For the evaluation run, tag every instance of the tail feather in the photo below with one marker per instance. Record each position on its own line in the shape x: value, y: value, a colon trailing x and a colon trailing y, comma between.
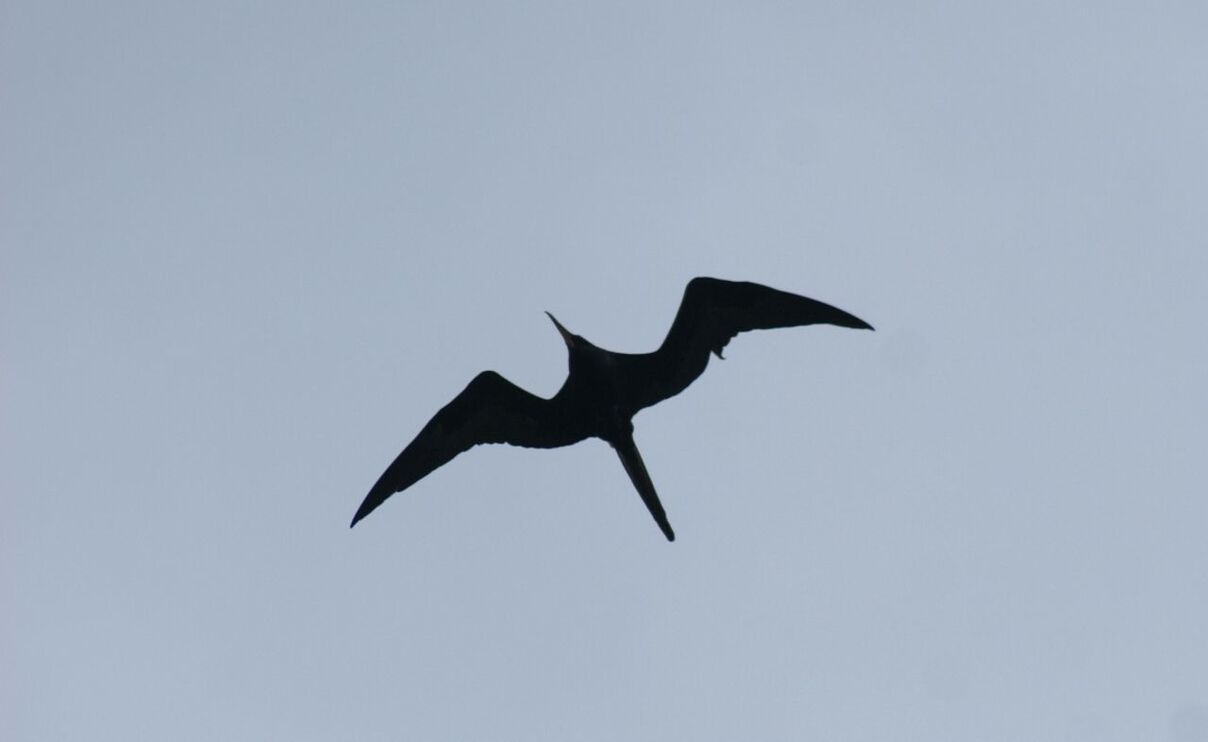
x: 636, y: 469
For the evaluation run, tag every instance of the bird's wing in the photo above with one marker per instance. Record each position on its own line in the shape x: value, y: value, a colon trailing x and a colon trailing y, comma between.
x: 490, y: 409
x: 712, y: 312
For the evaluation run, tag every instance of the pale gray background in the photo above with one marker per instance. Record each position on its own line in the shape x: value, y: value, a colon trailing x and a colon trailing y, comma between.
x: 248, y: 252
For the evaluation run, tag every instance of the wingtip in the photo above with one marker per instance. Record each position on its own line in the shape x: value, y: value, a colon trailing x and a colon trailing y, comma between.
x: 367, y: 506
x: 855, y: 322
x: 841, y: 318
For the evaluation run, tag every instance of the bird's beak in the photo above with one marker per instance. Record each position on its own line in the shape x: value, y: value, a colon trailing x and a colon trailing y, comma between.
x: 566, y: 336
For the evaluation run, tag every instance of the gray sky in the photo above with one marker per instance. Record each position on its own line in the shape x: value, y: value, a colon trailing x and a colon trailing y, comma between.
x: 247, y: 252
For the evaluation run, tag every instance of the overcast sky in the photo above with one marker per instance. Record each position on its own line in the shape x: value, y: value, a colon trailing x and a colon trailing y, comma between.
x: 247, y: 252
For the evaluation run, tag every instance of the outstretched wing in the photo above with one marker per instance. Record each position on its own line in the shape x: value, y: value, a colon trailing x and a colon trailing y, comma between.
x: 490, y: 409
x: 712, y: 312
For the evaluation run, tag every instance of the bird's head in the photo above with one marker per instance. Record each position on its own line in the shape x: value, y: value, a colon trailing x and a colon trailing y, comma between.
x: 568, y: 337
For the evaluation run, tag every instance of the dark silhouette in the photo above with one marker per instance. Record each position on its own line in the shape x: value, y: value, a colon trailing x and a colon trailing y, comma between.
x: 603, y: 390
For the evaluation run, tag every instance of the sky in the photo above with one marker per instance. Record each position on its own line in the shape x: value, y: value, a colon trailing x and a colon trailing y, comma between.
x: 247, y: 250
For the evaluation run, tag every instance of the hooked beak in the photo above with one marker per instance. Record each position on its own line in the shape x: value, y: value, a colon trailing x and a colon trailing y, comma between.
x: 566, y: 336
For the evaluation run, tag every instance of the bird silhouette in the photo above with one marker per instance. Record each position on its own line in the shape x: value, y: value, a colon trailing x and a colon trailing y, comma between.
x: 603, y: 390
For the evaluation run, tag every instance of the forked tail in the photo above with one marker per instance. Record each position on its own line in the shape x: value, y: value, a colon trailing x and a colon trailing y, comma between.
x: 636, y: 470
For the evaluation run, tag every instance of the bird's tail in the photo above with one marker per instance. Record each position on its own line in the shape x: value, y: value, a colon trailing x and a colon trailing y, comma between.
x: 636, y: 469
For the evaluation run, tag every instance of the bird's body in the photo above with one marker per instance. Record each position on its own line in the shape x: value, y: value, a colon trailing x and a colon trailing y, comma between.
x: 603, y: 389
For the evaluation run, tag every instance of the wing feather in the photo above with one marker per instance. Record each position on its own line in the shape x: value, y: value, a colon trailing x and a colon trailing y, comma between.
x: 490, y: 409
x: 711, y: 313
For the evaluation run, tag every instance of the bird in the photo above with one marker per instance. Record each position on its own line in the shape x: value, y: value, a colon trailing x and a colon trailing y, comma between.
x: 603, y: 389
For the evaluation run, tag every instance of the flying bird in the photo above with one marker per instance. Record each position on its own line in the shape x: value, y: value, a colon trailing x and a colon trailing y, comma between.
x: 603, y: 389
